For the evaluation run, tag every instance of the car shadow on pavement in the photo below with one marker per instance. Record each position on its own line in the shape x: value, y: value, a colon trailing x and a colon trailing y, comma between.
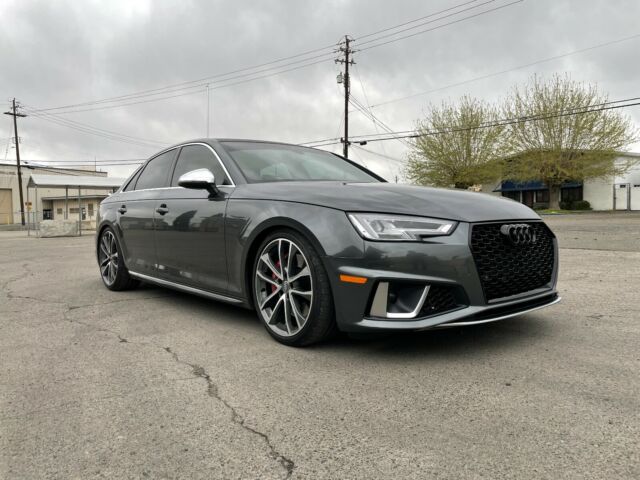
x: 503, y: 335
x: 497, y: 336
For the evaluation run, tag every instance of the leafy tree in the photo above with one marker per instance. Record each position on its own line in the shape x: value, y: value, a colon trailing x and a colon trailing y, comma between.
x: 456, y: 147
x: 554, y: 146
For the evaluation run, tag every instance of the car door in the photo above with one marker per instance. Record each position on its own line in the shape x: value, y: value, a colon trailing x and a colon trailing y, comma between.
x: 136, y: 210
x: 189, y: 225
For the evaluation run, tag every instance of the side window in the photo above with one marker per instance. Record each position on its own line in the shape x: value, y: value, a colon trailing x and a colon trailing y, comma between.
x: 156, y: 172
x: 193, y: 157
x: 132, y: 183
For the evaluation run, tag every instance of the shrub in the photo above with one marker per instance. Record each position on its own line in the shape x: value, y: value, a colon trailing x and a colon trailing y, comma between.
x: 565, y: 205
x: 580, y: 205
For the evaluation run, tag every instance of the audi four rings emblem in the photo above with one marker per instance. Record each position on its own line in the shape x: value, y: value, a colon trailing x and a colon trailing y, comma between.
x: 519, y: 233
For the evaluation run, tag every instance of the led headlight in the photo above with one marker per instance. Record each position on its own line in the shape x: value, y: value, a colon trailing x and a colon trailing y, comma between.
x: 380, y: 226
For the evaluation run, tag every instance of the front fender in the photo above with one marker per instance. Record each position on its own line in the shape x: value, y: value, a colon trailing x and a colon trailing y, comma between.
x: 249, y: 221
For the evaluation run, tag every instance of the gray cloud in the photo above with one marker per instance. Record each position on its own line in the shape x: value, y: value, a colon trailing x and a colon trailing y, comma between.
x: 64, y: 52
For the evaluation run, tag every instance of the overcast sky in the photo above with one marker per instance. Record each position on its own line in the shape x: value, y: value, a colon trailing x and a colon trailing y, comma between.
x: 68, y: 52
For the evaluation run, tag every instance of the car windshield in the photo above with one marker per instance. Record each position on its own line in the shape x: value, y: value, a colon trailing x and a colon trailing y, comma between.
x: 269, y: 162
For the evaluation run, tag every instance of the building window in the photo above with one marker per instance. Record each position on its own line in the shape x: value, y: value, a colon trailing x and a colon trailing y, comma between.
x: 58, y: 211
x: 542, y: 196
x: 512, y: 195
x: 571, y: 194
x: 73, y: 210
x: 91, y: 209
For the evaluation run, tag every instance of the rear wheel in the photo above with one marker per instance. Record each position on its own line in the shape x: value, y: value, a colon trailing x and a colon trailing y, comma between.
x: 292, y: 294
x: 113, y: 272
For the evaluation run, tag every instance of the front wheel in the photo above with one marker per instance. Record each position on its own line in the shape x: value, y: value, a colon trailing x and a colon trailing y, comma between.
x: 292, y: 294
x: 114, y: 273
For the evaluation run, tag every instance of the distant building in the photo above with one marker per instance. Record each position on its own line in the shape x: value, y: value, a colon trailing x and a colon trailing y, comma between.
x: 51, y: 201
x: 619, y: 193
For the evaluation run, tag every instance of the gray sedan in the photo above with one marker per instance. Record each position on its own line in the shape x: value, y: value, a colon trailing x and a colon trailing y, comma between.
x: 316, y: 243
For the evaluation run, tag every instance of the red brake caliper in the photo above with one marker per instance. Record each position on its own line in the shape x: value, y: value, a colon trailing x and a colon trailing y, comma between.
x: 274, y: 276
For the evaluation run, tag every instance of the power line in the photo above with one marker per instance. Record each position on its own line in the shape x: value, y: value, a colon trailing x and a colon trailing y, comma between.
x: 161, y: 92
x: 202, y: 89
x: 441, y: 26
x: 201, y: 81
x: 415, y: 20
x: 100, y: 130
x: 501, y: 72
x: 611, y: 105
x: 392, y: 34
x: 380, y: 154
x: 85, y: 129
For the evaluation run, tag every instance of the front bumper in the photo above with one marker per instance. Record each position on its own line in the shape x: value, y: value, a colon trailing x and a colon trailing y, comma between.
x: 443, y: 261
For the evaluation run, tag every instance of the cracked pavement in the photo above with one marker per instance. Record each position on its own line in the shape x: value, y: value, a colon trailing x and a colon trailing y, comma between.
x: 156, y: 384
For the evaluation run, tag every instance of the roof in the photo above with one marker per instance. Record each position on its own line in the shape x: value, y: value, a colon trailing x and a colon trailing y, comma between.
x: 28, y: 165
x: 75, y: 197
x: 511, y: 186
x: 74, y: 181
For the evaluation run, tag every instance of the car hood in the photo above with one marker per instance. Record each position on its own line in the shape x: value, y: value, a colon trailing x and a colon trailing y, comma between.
x: 460, y: 205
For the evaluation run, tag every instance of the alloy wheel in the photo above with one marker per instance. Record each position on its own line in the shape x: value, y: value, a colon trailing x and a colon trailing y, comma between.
x: 108, y: 257
x: 284, y: 287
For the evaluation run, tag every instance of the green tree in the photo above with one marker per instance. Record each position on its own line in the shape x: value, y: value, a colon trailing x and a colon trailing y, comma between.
x: 456, y: 148
x: 554, y: 146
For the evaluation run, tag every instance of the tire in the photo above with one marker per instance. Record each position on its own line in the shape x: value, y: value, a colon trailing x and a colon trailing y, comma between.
x: 298, y: 291
x: 113, y: 271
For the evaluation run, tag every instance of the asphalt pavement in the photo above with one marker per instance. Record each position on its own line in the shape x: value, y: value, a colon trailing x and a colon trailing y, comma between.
x: 156, y: 384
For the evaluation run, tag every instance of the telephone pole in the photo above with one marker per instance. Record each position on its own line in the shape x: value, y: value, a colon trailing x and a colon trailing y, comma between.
x: 15, y: 114
x: 345, y: 79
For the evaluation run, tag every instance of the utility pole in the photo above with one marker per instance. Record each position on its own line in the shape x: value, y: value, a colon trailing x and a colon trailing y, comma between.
x: 346, y: 81
x: 15, y: 114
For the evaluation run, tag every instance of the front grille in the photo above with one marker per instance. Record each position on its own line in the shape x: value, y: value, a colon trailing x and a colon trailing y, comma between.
x: 442, y: 298
x: 506, y: 269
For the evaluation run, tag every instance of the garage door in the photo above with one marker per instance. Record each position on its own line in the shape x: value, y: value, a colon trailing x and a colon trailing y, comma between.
x: 635, y: 197
x: 621, y: 196
x: 6, y: 206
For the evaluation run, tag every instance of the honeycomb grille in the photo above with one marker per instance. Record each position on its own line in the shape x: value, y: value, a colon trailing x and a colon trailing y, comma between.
x: 440, y: 299
x: 506, y: 269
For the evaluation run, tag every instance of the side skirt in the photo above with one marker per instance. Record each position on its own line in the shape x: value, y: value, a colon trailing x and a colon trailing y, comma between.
x: 184, y: 288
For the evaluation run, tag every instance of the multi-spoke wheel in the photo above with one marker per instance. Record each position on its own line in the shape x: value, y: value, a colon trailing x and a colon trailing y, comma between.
x: 108, y: 257
x: 291, y: 290
x: 112, y: 270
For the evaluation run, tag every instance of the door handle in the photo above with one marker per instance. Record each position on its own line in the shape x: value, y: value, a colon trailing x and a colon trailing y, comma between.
x: 162, y: 209
x: 123, y: 209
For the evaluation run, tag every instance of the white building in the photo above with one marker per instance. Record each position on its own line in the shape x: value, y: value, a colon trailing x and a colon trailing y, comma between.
x: 612, y: 193
x: 51, y: 203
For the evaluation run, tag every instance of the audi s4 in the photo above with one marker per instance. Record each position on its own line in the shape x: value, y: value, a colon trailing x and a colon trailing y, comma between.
x: 316, y: 243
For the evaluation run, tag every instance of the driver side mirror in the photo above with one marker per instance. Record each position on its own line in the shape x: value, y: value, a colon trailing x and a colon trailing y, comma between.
x: 200, y: 179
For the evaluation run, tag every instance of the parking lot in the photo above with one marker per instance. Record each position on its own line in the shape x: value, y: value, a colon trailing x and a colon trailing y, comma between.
x: 156, y: 384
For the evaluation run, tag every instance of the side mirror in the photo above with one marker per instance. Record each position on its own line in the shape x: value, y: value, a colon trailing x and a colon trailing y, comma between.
x: 200, y: 179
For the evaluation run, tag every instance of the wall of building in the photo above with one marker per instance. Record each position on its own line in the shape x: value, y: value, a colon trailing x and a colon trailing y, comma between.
x: 599, y: 193
x: 90, y: 206
x: 9, y: 181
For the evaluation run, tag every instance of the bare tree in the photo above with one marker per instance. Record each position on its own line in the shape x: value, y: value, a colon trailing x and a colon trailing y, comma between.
x: 458, y: 145
x: 567, y: 134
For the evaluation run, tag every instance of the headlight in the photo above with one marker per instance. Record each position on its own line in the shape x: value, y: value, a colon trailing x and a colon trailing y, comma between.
x: 379, y: 226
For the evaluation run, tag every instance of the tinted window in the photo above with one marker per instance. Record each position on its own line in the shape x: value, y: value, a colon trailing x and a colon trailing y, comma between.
x: 156, y: 172
x: 132, y: 183
x: 272, y: 162
x: 193, y: 157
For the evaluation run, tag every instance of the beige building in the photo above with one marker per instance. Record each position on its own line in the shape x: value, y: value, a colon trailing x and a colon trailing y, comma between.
x: 50, y: 203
